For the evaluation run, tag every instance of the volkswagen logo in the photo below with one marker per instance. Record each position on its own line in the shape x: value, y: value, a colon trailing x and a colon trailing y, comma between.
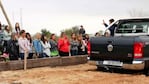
x: 110, y: 48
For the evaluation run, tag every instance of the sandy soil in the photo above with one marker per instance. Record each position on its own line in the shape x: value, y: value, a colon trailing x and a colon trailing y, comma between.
x: 78, y: 74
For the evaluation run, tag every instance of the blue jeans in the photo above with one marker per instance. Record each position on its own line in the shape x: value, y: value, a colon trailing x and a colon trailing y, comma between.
x: 42, y: 55
x: 74, y: 52
x: 45, y: 55
x: 21, y: 55
x: 30, y: 56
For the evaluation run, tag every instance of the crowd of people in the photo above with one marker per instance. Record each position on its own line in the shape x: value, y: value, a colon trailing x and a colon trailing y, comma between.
x: 16, y: 43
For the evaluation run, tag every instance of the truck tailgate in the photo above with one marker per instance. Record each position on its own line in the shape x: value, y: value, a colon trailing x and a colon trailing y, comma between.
x: 112, y: 48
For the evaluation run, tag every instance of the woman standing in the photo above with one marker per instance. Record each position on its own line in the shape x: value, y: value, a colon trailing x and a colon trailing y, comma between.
x: 0, y: 27
x: 74, y: 45
x: 54, y: 46
x: 86, y: 43
x: 1, y: 39
x: 38, y: 46
x: 7, y: 37
x: 81, y: 47
x: 30, y: 46
x: 13, y: 47
x: 23, y: 44
x: 17, y: 29
x: 46, y: 46
x: 63, y: 45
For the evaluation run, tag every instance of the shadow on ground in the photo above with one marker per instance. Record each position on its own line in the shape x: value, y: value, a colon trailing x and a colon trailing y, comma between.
x: 118, y: 71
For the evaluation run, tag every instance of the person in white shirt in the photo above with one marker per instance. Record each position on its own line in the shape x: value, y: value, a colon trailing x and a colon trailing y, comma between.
x: 30, y: 45
x: 46, y: 46
x: 23, y: 44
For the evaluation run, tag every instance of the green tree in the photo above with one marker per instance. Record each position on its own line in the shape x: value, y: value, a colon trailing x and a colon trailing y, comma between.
x: 46, y: 32
x: 138, y: 13
x: 69, y: 31
x: 75, y: 29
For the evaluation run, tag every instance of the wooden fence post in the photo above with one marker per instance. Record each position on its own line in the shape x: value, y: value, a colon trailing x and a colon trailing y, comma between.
x: 25, y: 60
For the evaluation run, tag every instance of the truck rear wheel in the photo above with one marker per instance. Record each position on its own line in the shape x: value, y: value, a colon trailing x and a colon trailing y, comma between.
x: 146, y: 68
x: 100, y: 68
x: 146, y: 72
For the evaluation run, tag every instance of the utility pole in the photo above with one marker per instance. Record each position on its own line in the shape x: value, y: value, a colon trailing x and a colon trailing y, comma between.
x: 5, y: 14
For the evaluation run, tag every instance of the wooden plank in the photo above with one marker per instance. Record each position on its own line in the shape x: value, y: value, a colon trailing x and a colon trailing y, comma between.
x: 43, y: 62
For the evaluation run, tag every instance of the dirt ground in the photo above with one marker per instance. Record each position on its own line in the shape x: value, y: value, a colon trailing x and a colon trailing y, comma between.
x: 77, y: 74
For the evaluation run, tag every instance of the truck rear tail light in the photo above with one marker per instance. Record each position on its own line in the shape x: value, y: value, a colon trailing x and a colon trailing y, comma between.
x: 89, y: 48
x: 138, y: 50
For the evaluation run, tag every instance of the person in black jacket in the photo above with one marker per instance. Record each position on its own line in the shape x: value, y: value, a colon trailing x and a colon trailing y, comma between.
x: 13, y: 47
x: 82, y: 31
x: 0, y: 27
x: 112, y: 28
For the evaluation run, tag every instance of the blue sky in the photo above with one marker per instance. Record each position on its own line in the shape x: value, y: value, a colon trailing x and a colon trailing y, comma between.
x: 56, y: 15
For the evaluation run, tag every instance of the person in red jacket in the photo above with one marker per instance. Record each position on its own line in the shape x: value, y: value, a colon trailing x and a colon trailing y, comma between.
x: 63, y: 45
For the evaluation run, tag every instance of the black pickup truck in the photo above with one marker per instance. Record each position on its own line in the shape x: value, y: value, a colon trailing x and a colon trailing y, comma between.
x: 127, y: 49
